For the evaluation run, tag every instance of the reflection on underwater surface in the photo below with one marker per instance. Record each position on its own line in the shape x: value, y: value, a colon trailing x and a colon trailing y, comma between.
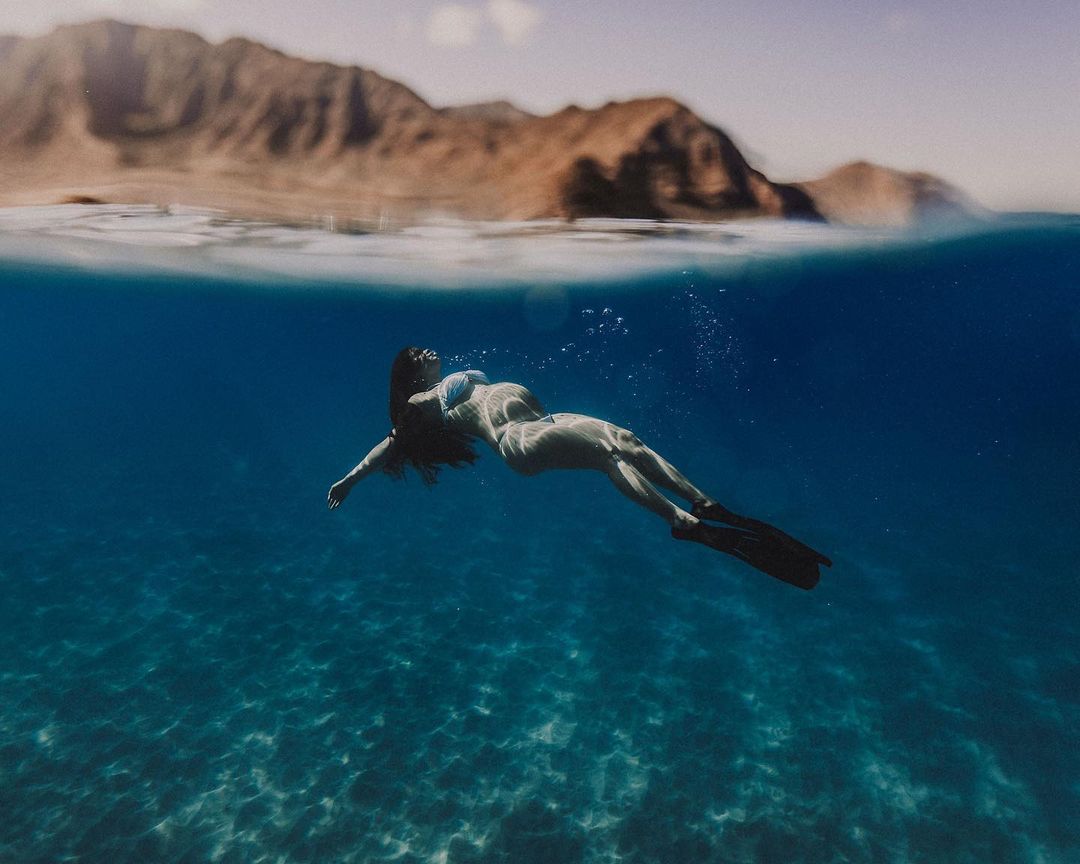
x: 197, y: 661
x: 449, y: 253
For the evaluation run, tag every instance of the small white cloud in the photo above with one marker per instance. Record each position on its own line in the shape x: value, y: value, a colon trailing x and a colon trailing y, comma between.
x: 454, y: 25
x: 515, y: 19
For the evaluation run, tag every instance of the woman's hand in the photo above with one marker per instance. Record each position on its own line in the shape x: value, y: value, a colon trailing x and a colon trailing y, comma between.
x: 337, y: 493
x: 375, y: 459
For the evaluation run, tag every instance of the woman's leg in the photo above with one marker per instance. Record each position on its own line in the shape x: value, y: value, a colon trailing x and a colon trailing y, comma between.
x: 633, y: 485
x: 657, y: 469
x: 578, y: 441
x: 650, y: 464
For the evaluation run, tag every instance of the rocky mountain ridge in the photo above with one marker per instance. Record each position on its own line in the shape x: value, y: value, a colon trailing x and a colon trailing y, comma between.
x: 120, y: 112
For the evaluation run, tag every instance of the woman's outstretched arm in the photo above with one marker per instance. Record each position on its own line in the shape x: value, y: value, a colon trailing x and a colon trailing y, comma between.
x: 372, y: 462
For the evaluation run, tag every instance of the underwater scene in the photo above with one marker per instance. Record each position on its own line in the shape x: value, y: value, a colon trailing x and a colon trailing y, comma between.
x: 200, y: 662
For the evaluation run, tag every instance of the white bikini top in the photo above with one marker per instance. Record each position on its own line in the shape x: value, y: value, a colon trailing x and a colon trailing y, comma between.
x: 454, y: 387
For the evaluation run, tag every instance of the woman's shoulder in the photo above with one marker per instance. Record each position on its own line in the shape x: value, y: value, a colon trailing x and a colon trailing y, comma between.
x: 426, y: 402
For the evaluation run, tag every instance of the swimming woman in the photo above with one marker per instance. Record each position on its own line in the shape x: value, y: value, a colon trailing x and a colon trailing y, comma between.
x: 436, y: 419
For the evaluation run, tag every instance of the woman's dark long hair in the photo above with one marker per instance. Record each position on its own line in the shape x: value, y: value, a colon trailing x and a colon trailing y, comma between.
x: 419, y: 443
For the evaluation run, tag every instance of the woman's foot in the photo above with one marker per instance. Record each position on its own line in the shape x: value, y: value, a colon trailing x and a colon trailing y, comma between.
x: 710, y: 510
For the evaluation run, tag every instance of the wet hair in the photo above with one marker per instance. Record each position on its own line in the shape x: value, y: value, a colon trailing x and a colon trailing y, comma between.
x: 418, y: 442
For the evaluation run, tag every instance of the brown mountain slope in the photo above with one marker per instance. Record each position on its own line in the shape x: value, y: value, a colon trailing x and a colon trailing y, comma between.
x: 136, y: 113
x: 144, y: 92
x: 130, y: 113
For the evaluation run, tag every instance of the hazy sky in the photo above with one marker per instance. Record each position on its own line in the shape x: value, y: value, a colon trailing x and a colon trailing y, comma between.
x: 985, y: 93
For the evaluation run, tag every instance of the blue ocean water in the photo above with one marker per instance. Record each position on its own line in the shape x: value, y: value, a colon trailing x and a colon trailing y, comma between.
x: 198, y: 662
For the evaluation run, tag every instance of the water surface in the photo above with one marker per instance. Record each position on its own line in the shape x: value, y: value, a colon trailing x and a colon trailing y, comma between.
x: 199, y: 662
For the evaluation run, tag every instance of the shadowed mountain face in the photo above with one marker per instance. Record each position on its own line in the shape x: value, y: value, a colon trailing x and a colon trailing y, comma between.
x: 143, y: 114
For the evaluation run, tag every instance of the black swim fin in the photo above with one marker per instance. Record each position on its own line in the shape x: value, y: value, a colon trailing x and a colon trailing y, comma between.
x: 719, y: 513
x: 762, y: 551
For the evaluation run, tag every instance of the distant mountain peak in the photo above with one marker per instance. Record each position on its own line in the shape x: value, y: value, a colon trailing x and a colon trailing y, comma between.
x: 864, y: 193
x: 498, y: 111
